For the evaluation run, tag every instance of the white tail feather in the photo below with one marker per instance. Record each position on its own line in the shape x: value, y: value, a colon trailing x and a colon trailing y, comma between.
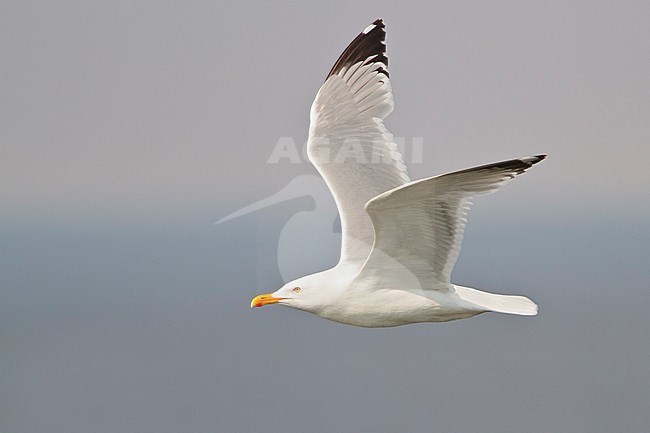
x: 500, y: 303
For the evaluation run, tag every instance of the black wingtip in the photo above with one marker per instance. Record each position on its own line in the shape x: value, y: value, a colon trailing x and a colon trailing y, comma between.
x: 517, y: 166
x: 532, y: 160
x: 369, y: 45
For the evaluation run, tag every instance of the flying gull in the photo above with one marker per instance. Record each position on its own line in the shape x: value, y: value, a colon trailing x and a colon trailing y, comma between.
x: 400, y: 238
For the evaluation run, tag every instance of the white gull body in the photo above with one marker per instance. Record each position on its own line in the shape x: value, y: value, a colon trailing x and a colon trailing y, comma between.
x: 400, y: 238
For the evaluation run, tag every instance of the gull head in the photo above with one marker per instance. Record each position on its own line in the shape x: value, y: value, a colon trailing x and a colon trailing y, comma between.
x: 303, y: 294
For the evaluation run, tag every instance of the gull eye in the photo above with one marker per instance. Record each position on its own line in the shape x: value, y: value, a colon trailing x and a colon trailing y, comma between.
x: 296, y: 290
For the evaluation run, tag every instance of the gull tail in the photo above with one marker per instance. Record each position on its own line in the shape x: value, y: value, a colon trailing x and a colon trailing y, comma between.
x: 508, y: 304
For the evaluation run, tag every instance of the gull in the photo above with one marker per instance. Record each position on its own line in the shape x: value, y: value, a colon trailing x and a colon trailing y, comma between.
x: 400, y: 238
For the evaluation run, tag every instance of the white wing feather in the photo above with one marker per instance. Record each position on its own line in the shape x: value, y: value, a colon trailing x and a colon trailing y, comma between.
x: 348, y: 142
x: 419, y: 226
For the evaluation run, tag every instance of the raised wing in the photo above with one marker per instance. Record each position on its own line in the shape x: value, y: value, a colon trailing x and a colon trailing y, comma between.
x: 348, y: 142
x: 419, y: 226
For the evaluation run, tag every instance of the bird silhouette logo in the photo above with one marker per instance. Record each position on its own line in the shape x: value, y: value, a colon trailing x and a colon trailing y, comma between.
x: 299, y: 228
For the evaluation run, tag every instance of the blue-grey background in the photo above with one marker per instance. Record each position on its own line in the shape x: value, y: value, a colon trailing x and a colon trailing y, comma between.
x: 128, y: 128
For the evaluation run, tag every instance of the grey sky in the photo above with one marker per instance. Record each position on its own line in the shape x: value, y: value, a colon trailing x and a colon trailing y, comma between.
x: 127, y: 129
x: 111, y: 106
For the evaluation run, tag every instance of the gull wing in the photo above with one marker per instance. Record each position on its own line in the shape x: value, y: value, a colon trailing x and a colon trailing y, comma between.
x: 419, y: 226
x: 348, y: 142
